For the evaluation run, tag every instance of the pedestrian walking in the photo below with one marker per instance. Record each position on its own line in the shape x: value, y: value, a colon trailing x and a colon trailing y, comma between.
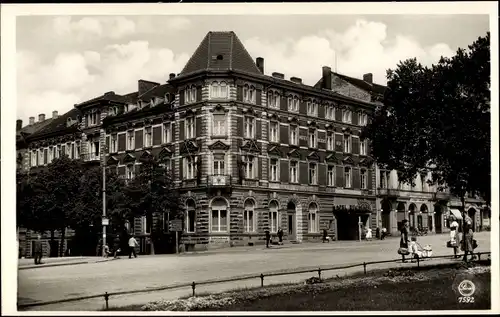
x: 454, y: 239
x: 368, y: 235
x: 38, y: 249
x: 325, y: 235
x: 280, y: 235
x: 468, y: 244
x: 403, y: 243
x: 384, y: 233
x: 377, y: 233
x: 268, y: 238
x: 116, y: 246
x: 132, y: 243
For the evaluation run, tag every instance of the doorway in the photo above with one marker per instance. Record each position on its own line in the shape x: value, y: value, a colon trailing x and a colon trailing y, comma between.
x: 438, y: 215
x: 292, y: 232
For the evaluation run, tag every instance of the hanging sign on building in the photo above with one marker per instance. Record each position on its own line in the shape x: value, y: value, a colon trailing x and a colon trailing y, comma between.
x: 175, y: 225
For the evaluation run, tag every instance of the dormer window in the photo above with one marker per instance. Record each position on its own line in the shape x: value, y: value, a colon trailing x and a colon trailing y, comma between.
x: 273, y: 99
x: 219, y: 90
x: 293, y: 103
x: 312, y: 108
x: 190, y: 94
x: 249, y: 93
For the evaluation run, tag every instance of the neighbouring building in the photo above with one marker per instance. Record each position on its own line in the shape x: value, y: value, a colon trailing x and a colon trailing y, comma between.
x: 250, y: 152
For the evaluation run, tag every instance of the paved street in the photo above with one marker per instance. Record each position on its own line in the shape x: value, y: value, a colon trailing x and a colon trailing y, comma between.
x: 52, y: 283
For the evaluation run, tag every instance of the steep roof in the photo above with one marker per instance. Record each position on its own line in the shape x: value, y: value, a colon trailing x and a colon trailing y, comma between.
x: 59, y: 124
x: 360, y: 83
x: 109, y: 96
x: 158, y: 91
x: 221, y: 51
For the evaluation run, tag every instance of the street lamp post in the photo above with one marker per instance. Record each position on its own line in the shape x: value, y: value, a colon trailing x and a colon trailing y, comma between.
x: 104, y: 219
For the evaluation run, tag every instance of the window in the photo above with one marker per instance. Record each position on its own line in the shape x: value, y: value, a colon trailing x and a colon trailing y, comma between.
x: 190, y: 128
x: 190, y: 216
x: 330, y: 142
x: 167, y: 133
x: 189, y: 168
x: 347, y: 177
x: 249, y: 167
x: 330, y: 112
x: 294, y: 170
x: 273, y: 99
x: 93, y: 118
x: 68, y: 150
x: 129, y: 172
x: 249, y: 127
x: 78, y: 149
x: 363, y: 119
x: 294, y: 135
x: 219, y: 216
x: 249, y: 94
x: 40, y: 157
x: 54, y: 151
x: 148, y: 139
x: 219, y: 126
x: 219, y: 90
x: 313, y: 140
x: 274, y: 167
x: 273, y: 131
x: 33, y: 158
x: 362, y: 147
x: 94, y: 150
x: 273, y: 216
x: 144, y: 224
x: 248, y: 216
x: 346, y: 116
x: 58, y: 151
x: 167, y: 163
x: 313, y: 174
x: 130, y: 140
x: 190, y: 94
x: 114, y: 143
x: 313, y: 218
x: 218, y: 164
x: 384, y: 179
x: 49, y: 157
x: 364, y: 179
x: 312, y: 108
x: 293, y: 103
x: 347, y: 144
x: 331, y: 175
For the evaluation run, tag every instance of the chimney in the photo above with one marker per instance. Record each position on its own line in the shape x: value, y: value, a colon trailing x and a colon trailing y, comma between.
x: 54, y: 114
x: 171, y: 76
x: 19, y: 124
x: 32, y: 120
x: 296, y: 80
x: 327, y: 78
x: 278, y: 75
x: 260, y: 64
x: 109, y: 93
x: 368, y: 78
x: 41, y: 117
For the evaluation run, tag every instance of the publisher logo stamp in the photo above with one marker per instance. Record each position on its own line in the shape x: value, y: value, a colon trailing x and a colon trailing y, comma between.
x: 466, y: 288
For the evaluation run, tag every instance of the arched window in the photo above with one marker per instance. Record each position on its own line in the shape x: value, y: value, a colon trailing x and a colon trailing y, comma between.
x: 219, y: 216
x: 273, y: 216
x: 190, y: 94
x: 313, y: 218
x: 223, y: 92
x: 219, y: 90
x: 190, y: 216
x: 249, y: 94
x: 273, y: 99
x: 293, y: 103
x: 249, y: 216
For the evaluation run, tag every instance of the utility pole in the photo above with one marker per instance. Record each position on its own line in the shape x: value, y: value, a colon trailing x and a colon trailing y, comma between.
x: 104, y: 219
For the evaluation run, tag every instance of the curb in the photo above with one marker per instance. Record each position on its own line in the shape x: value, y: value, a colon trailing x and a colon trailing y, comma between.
x: 62, y: 264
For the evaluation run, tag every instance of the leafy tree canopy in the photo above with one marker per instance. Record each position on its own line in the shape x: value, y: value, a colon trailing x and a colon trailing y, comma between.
x: 438, y: 119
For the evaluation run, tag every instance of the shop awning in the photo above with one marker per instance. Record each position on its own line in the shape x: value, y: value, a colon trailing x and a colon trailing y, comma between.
x: 456, y: 213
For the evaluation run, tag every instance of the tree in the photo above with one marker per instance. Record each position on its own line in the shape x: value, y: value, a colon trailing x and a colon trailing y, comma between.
x: 438, y: 119
x: 151, y: 192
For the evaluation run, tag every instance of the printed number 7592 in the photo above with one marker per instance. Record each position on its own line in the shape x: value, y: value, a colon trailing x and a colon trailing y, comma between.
x: 466, y: 299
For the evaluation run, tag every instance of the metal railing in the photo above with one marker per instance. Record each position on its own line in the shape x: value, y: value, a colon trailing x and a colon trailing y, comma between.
x: 106, y: 296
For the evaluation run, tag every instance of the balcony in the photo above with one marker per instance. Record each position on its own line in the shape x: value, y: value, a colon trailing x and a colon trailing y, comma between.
x: 388, y: 192
x: 219, y: 181
x: 91, y: 157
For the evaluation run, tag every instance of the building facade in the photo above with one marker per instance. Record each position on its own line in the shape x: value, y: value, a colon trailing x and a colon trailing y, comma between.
x: 250, y: 152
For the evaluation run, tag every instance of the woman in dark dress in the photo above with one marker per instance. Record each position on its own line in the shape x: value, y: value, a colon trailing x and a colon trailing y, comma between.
x: 403, y: 243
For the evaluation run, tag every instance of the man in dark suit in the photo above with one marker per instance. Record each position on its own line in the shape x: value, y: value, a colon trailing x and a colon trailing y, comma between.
x: 38, y: 250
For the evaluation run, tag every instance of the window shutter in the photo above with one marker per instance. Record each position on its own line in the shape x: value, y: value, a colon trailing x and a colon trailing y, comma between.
x: 239, y: 93
x: 258, y: 97
x: 157, y: 135
x: 302, y: 107
x: 339, y: 176
x: 355, y: 117
x: 182, y: 131
x: 139, y: 139
x: 284, y: 172
x: 338, y: 114
x: 355, y: 145
x: 258, y: 127
x: 339, y: 143
x: 322, y: 174
x: 241, y: 128
x: 284, y: 134
x: 369, y: 176
x: 321, y: 111
x: 198, y: 93
x: 303, y: 174
x: 356, y: 182
x: 107, y: 149
x: 284, y: 103
x: 198, y: 126
x: 181, y: 97
x: 122, y: 139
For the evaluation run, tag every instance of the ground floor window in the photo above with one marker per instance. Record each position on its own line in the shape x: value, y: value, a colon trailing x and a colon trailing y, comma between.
x: 219, y: 216
x: 190, y: 216
x: 313, y: 218
x: 249, y: 217
x: 273, y: 217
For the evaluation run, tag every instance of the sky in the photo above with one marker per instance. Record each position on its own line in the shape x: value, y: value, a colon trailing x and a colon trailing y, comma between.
x: 64, y: 60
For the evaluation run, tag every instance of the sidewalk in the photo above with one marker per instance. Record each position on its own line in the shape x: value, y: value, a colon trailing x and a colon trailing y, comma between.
x: 24, y: 264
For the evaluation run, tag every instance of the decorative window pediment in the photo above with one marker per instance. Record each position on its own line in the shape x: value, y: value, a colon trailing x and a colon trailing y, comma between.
x: 313, y: 156
x: 294, y: 154
x: 273, y: 116
x: 219, y: 145
x: 251, y: 146
x: 366, y: 162
x: 146, y: 156
x: 189, y: 147
x: 129, y: 158
x: 112, y: 161
x: 275, y: 151
x: 348, y: 160
x: 165, y: 153
x: 332, y: 158
x: 293, y: 119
